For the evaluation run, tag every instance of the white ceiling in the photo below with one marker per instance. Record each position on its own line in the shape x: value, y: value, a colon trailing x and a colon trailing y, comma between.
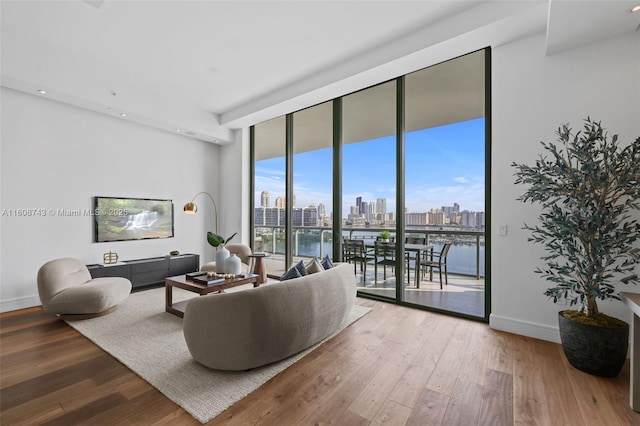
x: 207, y: 67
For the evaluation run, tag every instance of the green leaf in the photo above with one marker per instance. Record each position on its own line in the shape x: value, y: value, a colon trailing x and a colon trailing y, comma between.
x: 214, y: 239
x: 229, y: 239
x: 217, y: 240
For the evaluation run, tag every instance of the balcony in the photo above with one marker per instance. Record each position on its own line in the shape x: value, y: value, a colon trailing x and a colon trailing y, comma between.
x: 464, y: 294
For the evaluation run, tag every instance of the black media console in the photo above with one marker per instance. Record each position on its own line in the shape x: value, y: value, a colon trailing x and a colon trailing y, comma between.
x: 151, y: 272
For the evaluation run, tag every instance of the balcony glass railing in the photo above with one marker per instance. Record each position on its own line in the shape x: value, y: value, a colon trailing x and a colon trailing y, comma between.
x: 466, y: 256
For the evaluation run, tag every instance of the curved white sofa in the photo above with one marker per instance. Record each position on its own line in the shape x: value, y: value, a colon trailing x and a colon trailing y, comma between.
x: 254, y: 327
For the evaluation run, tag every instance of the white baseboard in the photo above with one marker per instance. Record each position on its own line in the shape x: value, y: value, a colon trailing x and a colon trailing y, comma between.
x: 516, y: 326
x: 19, y: 303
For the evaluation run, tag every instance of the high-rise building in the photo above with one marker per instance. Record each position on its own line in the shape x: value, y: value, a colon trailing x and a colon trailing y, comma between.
x: 264, y: 199
x: 416, y: 218
x: 359, y: 204
x: 258, y: 216
x: 281, y: 202
x: 468, y: 219
x: 452, y: 212
x: 274, y: 216
x: 354, y: 214
x: 371, y: 211
x: 269, y: 216
x: 310, y: 216
x: 381, y: 209
x: 436, y: 217
x: 365, y: 210
x: 307, y: 216
x: 297, y: 217
x: 381, y: 206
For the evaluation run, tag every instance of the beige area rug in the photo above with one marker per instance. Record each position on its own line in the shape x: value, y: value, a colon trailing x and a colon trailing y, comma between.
x: 150, y: 342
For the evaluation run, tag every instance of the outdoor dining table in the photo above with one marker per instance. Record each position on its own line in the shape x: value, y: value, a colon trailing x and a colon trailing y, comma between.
x: 418, y: 249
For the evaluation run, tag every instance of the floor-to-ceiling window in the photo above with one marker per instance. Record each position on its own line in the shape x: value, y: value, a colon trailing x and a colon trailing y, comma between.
x: 401, y: 165
x: 445, y: 183
x: 369, y: 181
x: 312, y: 182
x: 269, y: 183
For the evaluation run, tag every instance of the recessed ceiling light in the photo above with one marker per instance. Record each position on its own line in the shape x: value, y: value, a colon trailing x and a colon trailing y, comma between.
x: 178, y: 130
x: 123, y: 115
x: 635, y: 8
x: 42, y: 92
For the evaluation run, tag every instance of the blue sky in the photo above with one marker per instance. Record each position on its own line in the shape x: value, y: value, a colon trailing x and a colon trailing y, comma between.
x: 444, y: 165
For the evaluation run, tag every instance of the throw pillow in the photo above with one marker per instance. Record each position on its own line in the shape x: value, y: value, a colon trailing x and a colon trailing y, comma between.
x: 290, y: 274
x: 326, y: 263
x: 301, y: 268
x: 314, y: 266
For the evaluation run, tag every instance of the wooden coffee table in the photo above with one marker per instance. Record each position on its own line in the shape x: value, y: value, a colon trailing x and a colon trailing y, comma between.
x: 181, y: 281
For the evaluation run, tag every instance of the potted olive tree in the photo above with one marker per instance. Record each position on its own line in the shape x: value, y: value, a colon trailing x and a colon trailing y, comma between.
x: 589, y: 190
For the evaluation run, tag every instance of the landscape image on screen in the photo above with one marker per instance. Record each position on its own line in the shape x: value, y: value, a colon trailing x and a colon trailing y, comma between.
x: 121, y: 219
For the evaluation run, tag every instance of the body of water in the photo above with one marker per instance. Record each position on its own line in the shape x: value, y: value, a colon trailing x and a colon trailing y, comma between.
x: 461, y: 258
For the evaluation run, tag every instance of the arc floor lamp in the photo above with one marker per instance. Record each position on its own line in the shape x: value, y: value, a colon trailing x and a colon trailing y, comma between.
x: 192, y: 208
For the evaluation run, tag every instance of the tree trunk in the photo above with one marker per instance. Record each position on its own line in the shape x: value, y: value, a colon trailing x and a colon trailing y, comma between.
x: 591, y: 307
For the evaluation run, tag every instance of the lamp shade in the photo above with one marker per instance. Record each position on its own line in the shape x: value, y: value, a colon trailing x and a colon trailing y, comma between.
x: 190, y: 208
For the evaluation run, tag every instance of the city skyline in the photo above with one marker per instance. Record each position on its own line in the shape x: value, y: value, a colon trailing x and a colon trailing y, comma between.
x: 444, y: 165
x: 380, y: 204
x: 365, y: 214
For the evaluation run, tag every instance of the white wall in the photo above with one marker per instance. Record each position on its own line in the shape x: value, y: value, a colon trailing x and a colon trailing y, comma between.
x: 55, y: 156
x: 234, y: 187
x: 532, y: 96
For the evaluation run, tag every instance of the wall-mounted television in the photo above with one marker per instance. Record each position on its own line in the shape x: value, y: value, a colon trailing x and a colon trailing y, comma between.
x: 124, y: 219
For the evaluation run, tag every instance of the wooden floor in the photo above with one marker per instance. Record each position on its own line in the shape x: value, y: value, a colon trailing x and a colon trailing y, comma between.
x: 394, y: 366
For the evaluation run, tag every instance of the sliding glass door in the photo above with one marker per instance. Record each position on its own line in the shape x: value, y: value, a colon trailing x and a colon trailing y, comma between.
x: 445, y: 184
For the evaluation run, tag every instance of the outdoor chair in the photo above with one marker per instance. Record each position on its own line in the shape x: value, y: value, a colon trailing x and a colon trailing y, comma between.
x: 385, y: 255
x: 354, y: 251
x: 410, y: 256
x: 439, y: 261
